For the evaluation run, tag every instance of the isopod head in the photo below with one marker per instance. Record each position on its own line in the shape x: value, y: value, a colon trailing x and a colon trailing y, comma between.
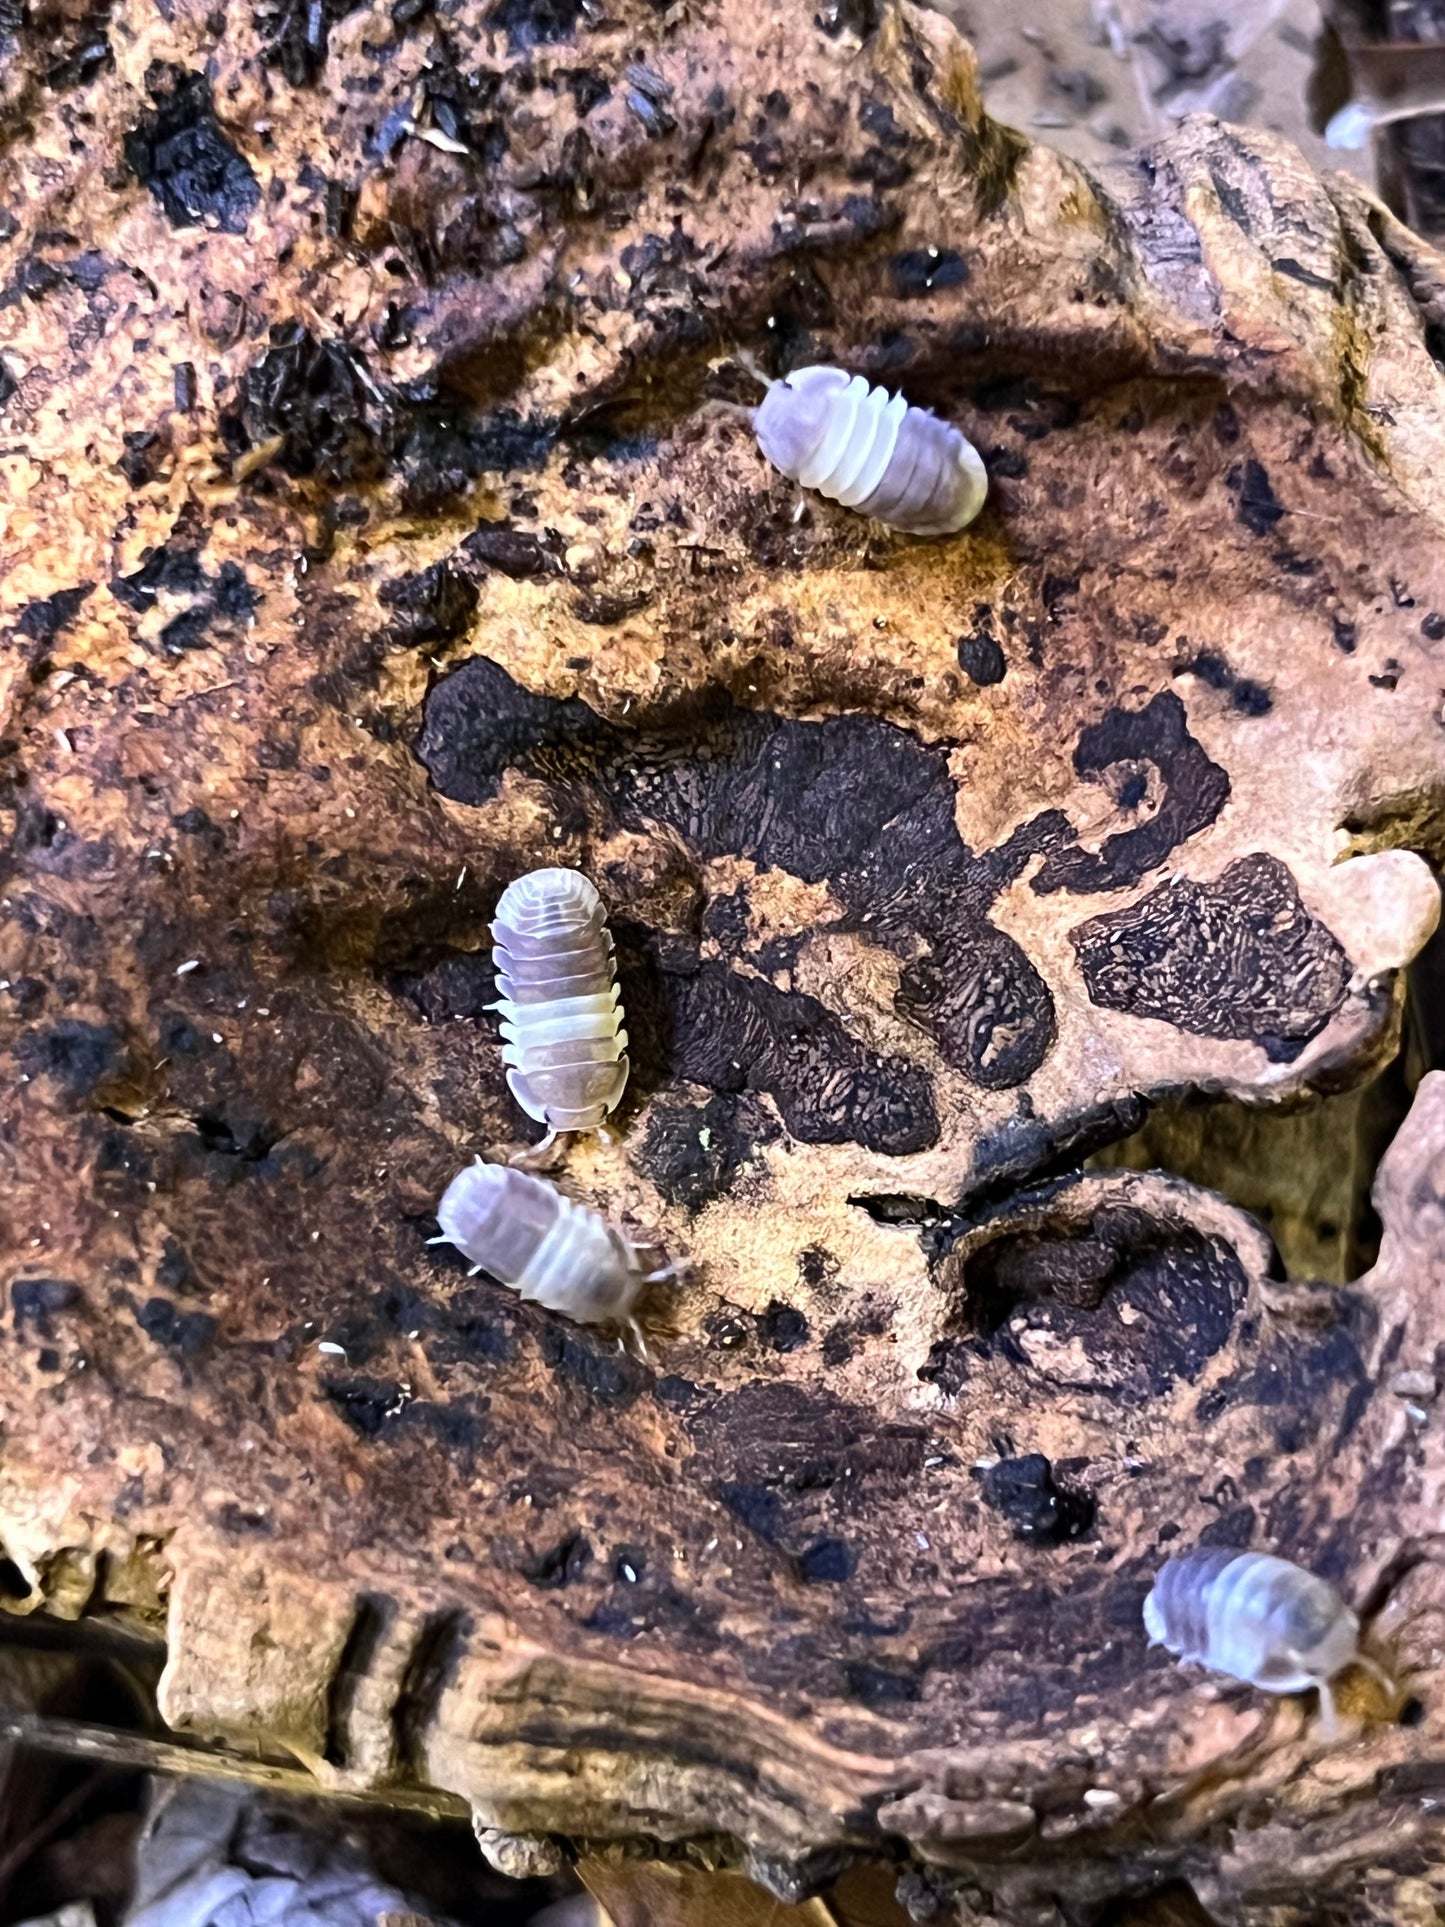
x: 794, y: 415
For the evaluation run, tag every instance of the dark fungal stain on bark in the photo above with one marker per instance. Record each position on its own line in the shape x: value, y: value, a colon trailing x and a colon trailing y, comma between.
x: 735, y: 1033
x: 337, y: 423
x: 694, y: 1151
x: 1040, y: 1511
x: 811, y: 798
x: 434, y: 605
x: 296, y: 35
x: 981, y: 660
x: 47, y: 619
x: 78, y: 1057
x: 1249, y: 697
x: 1146, y: 1301
x: 180, y: 153
x: 560, y: 1565
x: 920, y: 271
x: 1255, y: 502
x: 1238, y: 958
x: 1304, y: 1385
x: 1195, y: 791
x: 188, y: 1332
x: 512, y: 552
x: 592, y: 1363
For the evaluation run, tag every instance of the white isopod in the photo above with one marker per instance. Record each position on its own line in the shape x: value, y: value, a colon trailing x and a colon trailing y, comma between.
x: 559, y: 1254
x: 853, y: 443
x: 563, y: 1041
x: 1262, y: 1620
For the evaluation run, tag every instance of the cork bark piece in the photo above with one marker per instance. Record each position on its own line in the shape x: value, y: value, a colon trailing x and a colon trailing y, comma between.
x: 381, y: 521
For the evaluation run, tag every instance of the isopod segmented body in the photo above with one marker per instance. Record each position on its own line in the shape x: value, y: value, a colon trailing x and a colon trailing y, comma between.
x: 563, y: 1041
x: 1258, y: 1618
x: 559, y: 1254
x: 853, y: 443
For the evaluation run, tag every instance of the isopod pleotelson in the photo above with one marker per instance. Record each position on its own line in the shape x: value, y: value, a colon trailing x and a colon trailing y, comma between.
x: 559, y: 1254
x: 1262, y: 1620
x: 853, y: 443
x: 563, y: 1041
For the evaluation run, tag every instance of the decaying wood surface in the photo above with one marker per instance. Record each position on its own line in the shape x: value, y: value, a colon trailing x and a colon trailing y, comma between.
x: 380, y: 521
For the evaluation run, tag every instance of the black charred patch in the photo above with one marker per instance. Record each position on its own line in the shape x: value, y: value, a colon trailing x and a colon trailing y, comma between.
x: 188, y: 1332
x: 1147, y: 1301
x: 981, y: 660
x: 758, y: 1506
x: 78, y: 1056
x: 594, y: 1363
x: 857, y: 18
x: 537, y: 23
x: 225, y: 601
x: 984, y: 1004
x: 1234, y: 1528
x: 1303, y: 1383
x: 180, y: 153
x: 1250, y: 698
x: 1346, y: 635
x: 296, y: 34
x: 48, y: 618
x: 479, y: 723
x: 365, y: 1403
x: 921, y: 271
x: 1040, y: 1512
x: 560, y: 1565
x: 837, y: 1346
x: 1195, y: 791
x: 1240, y: 958
x: 881, y: 1687
x: 76, y: 48
x: 463, y: 984
x: 817, y: 800
x: 178, y: 571
x: 176, y: 1273
x: 1255, y: 501
x: 434, y: 605
x: 693, y: 1152
x: 317, y: 397
x: 231, y: 1130
x: 328, y: 417
x: 238, y: 1522
x: 881, y: 167
x: 36, y: 1301
x: 735, y: 1033
x: 782, y: 1328
x: 827, y: 1562
x: 511, y: 552
x: 725, y: 922
x: 674, y: 1389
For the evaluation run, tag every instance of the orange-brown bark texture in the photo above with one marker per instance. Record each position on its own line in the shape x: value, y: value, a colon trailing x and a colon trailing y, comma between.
x: 381, y: 520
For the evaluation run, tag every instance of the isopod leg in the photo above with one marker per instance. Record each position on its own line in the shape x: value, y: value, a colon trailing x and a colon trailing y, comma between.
x: 538, y: 1157
x: 1377, y: 1671
x: 680, y: 1268
x: 634, y: 1343
x: 1329, y: 1714
x: 745, y: 358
